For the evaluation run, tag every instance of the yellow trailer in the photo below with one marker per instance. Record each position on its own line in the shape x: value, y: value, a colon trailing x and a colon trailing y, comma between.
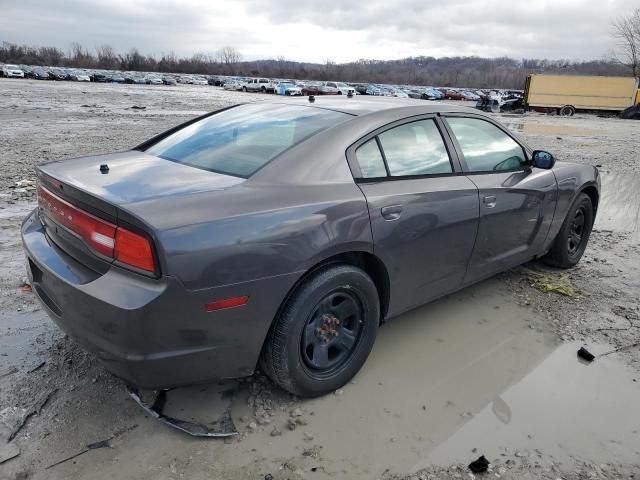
x: 568, y: 93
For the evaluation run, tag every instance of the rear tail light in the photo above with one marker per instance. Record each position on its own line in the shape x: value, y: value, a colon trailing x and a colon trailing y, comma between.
x: 133, y: 249
x: 105, y: 238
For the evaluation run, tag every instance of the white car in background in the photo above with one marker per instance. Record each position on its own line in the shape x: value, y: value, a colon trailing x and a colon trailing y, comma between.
x: 80, y: 76
x: 233, y: 84
x: 342, y: 88
x: 263, y: 85
x: 12, y: 71
x: 200, y: 81
x: 153, y: 80
x: 288, y: 88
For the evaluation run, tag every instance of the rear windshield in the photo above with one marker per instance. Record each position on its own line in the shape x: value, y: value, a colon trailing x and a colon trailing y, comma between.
x: 241, y: 140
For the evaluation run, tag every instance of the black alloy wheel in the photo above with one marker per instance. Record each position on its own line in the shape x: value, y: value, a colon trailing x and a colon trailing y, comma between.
x: 331, y: 333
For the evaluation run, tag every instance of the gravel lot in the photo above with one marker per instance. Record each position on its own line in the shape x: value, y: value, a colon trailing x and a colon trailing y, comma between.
x: 491, y: 370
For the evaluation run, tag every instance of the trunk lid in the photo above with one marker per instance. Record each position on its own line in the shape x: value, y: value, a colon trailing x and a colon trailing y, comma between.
x: 135, y: 176
x: 133, y: 179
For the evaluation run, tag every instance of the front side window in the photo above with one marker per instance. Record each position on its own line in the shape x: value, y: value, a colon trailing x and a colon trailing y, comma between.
x: 485, y: 147
x: 241, y: 140
x: 415, y: 148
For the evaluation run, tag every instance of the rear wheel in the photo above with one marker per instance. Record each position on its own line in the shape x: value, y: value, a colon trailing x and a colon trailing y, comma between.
x: 244, y: 89
x: 567, y: 111
x: 324, y: 332
x: 572, y: 239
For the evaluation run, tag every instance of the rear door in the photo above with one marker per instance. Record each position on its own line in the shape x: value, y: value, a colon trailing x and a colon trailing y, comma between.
x: 423, y: 210
x: 517, y: 202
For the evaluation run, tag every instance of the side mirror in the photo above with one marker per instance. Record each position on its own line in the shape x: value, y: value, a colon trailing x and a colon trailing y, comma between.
x: 542, y: 159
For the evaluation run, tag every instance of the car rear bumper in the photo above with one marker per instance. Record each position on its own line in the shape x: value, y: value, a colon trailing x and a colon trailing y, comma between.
x: 153, y: 333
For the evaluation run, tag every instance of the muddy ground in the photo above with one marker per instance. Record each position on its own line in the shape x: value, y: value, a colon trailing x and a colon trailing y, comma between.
x: 491, y: 370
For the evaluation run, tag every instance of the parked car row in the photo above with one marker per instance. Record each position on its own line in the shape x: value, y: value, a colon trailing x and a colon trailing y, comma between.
x: 484, y: 98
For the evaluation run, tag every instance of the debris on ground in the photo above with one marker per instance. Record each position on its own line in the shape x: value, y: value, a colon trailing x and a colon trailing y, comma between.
x: 37, y: 367
x: 586, y: 354
x: 24, y: 183
x: 12, y: 419
x: 546, y: 282
x: 8, y: 371
x: 291, y: 424
x: 26, y: 288
x: 620, y: 349
x: 137, y: 107
x: 480, y: 465
x: 8, y: 451
x: 224, y: 427
x: 106, y: 443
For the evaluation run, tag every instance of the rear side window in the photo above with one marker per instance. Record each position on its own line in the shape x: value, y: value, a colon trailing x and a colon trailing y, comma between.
x: 370, y: 160
x: 415, y: 148
x: 241, y: 140
x: 485, y: 147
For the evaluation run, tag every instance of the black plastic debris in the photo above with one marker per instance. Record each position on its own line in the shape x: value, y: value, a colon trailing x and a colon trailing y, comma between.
x: 222, y: 428
x: 480, y: 465
x: 586, y: 354
x: 106, y: 443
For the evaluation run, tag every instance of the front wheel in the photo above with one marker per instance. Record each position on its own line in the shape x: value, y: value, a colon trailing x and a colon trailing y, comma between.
x: 324, y: 332
x: 572, y: 239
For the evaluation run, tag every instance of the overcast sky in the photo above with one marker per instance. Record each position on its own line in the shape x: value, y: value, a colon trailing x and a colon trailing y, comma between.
x: 340, y: 30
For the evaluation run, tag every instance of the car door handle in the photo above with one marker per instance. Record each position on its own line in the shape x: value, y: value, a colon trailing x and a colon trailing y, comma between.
x: 391, y: 212
x: 489, y: 201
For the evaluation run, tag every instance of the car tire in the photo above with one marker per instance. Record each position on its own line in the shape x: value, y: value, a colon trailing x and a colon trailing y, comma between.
x: 324, y: 331
x: 244, y: 89
x: 264, y: 90
x: 567, y: 111
x: 571, y: 241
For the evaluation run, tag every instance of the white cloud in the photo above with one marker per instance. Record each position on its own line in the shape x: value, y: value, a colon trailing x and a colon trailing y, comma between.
x: 321, y: 29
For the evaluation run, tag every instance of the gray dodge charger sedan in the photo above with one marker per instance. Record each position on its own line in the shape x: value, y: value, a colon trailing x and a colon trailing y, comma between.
x: 282, y: 234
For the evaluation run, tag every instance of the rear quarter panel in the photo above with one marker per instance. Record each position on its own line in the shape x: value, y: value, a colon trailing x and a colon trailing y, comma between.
x: 249, y: 232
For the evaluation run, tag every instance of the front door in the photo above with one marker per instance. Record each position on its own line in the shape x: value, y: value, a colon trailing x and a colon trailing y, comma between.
x: 517, y: 202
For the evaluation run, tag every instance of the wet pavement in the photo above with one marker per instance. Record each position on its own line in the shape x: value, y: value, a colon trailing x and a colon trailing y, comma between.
x: 620, y: 203
x: 470, y: 374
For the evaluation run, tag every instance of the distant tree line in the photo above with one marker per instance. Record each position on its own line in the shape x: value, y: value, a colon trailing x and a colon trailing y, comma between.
x: 472, y: 72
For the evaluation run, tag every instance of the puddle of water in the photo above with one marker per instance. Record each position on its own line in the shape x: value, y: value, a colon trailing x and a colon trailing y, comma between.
x: 564, y: 408
x: 619, y: 208
x: 430, y: 372
x: 541, y: 129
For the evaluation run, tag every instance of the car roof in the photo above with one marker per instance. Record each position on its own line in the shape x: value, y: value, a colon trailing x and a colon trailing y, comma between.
x: 370, y: 104
x: 321, y: 158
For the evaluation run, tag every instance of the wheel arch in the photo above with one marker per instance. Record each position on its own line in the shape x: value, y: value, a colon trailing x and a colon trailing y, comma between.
x: 367, y: 261
x: 592, y: 192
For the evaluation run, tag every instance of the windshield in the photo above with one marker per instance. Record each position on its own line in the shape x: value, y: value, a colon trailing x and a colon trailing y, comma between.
x: 241, y: 140
x: 12, y: 67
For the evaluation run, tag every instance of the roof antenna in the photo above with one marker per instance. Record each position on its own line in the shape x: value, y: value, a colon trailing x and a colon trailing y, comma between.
x: 312, y: 99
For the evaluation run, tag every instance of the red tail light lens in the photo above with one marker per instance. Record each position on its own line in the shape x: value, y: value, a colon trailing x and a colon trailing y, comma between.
x: 134, y: 250
x: 104, y: 237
